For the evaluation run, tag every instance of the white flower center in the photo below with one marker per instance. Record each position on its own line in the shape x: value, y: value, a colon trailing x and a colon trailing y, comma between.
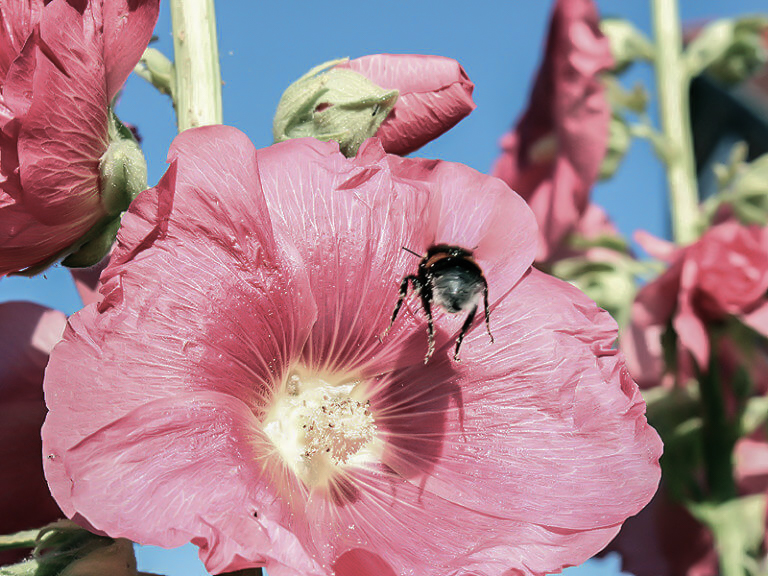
x: 318, y: 427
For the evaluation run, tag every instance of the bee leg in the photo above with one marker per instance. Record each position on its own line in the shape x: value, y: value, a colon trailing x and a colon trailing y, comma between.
x: 487, y: 313
x: 400, y: 298
x: 425, y: 299
x: 464, y: 328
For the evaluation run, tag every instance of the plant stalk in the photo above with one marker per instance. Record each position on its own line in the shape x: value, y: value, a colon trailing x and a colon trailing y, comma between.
x: 197, y: 89
x: 672, y: 84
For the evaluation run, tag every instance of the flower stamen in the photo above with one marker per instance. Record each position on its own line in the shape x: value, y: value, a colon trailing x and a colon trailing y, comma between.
x: 319, y: 426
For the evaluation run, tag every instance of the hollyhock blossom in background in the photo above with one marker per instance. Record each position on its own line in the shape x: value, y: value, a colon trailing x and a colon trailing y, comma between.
x: 238, y: 395
x: 28, y: 333
x: 406, y: 100
x: 552, y: 157
x: 723, y: 274
x: 62, y: 64
x: 434, y: 94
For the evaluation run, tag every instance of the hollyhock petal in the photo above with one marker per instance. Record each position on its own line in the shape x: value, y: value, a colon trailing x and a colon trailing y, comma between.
x: 28, y: 333
x: 219, y: 493
x: 17, y: 19
x: 335, y: 206
x: 128, y: 27
x: 149, y: 329
x: 530, y: 452
x: 656, y: 247
x: 691, y: 331
x: 477, y: 447
x: 642, y: 348
x: 435, y: 94
x: 665, y: 540
x: 61, y: 178
x: 553, y: 156
x: 751, y: 465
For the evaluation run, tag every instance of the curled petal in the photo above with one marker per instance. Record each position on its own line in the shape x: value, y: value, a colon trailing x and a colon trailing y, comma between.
x: 435, y: 94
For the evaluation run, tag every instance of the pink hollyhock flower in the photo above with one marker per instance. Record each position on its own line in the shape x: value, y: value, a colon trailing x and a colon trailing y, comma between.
x: 724, y: 273
x: 28, y: 333
x: 62, y: 64
x: 435, y: 93
x: 553, y: 156
x: 231, y: 390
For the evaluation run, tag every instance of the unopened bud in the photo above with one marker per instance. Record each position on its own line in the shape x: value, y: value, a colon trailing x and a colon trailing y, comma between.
x: 331, y: 103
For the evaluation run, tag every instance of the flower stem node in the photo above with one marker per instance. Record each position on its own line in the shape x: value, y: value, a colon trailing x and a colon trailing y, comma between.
x: 332, y: 103
x: 123, y: 174
x: 320, y: 424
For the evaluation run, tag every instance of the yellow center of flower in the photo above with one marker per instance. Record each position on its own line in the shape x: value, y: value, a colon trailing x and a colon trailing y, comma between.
x: 319, y: 425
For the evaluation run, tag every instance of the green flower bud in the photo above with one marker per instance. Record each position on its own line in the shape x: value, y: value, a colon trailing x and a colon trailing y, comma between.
x: 65, y: 549
x: 123, y: 171
x: 729, y: 49
x: 619, y: 139
x: 330, y: 103
x: 607, y: 282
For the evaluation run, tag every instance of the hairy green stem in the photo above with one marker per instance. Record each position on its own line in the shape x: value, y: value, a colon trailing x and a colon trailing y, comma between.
x: 672, y: 82
x: 197, y: 86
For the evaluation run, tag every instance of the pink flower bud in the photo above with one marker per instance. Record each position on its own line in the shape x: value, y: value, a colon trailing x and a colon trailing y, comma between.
x: 435, y: 93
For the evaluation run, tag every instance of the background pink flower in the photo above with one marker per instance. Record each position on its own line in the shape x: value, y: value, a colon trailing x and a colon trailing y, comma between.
x: 552, y: 157
x: 62, y: 64
x: 435, y: 94
x: 28, y: 333
x: 245, y: 297
x: 724, y: 273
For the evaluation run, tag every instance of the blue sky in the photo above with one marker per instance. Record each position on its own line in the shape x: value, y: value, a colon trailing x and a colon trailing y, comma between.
x: 264, y: 46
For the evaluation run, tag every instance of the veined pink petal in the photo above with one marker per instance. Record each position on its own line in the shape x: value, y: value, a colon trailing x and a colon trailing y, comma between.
x: 17, y: 19
x: 128, y: 27
x: 435, y: 94
x: 28, y: 333
x: 553, y: 156
x: 243, y: 288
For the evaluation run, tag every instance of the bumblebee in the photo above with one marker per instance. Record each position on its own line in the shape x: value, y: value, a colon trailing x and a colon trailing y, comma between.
x: 448, y: 277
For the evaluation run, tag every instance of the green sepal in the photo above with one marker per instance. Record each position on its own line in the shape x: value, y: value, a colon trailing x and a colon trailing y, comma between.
x: 619, y: 140
x: 628, y: 44
x: 23, y: 539
x: 97, y: 243
x: 331, y: 103
x: 123, y: 172
x: 743, y: 186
